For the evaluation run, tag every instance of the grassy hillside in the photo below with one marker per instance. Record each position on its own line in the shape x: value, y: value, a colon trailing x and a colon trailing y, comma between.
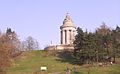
x: 30, y: 63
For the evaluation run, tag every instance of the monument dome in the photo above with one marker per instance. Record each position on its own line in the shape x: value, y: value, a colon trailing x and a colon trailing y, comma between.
x: 68, y: 31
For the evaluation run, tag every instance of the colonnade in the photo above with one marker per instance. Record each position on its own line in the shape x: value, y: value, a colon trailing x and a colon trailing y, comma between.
x: 67, y: 36
x: 68, y: 31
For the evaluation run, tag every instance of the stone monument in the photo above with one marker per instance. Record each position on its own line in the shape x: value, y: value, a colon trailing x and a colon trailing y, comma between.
x: 67, y: 33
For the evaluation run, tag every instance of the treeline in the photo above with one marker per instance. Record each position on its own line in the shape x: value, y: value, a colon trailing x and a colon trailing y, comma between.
x: 11, y: 46
x: 103, y: 45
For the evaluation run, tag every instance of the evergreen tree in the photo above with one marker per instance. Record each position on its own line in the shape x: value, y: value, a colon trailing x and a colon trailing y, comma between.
x: 103, y: 45
x: 78, y: 45
x: 116, y: 42
x: 90, y: 47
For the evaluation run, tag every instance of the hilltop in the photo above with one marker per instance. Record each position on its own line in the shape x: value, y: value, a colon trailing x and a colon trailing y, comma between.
x: 56, y: 63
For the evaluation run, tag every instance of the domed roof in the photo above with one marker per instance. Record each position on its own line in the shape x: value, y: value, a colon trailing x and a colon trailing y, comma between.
x: 67, y: 21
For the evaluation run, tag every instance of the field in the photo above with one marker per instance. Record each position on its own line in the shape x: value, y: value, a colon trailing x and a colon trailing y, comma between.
x: 30, y: 63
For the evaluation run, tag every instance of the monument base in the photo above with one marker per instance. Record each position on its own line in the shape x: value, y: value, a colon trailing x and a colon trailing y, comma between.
x: 60, y: 47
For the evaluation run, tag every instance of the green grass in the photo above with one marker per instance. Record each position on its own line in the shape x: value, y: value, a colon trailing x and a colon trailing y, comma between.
x: 30, y: 63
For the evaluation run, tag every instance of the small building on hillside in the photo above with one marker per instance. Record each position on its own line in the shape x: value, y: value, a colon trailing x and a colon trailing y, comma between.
x: 67, y: 35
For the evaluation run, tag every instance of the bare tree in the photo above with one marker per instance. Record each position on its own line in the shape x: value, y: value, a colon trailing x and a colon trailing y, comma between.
x: 10, y: 47
x: 5, y: 47
x: 103, y: 30
x: 31, y: 43
x: 14, y: 41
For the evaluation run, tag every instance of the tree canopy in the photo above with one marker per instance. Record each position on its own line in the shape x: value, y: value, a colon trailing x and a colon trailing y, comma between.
x: 99, y: 46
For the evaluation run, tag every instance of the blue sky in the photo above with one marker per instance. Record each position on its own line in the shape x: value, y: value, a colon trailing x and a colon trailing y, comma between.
x: 41, y: 19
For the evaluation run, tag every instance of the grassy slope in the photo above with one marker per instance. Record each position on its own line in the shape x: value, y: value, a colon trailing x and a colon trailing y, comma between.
x: 30, y: 63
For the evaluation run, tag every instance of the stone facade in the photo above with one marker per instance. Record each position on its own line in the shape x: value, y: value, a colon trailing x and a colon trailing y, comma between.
x: 67, y: 33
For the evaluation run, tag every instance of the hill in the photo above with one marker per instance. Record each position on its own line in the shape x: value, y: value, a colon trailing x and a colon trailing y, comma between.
x: 56, y: 63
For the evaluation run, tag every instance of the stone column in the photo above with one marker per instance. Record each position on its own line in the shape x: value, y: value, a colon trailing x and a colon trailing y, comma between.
x: 71, y: 34
x: 61, y: 34
x: 63, y: 37
x: 68, y: 39
x: 74, y: 34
